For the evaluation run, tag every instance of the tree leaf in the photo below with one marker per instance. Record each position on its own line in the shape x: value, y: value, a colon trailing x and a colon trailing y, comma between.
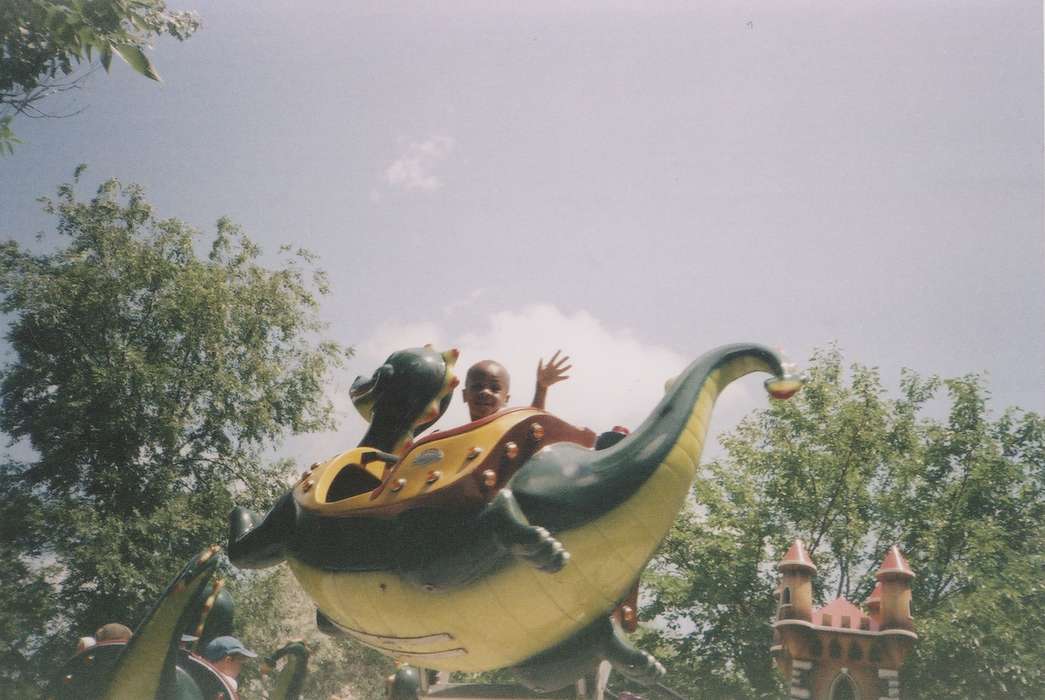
x: 106, y: 57
x: 137, y: 60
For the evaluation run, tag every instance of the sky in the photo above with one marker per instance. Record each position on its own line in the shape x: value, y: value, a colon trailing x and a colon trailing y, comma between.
x: 633, y: 182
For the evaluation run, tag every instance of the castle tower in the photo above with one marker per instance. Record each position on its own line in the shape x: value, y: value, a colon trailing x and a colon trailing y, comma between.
x: 796, y: 584
x: 894, y: 577
x: 838, y: 651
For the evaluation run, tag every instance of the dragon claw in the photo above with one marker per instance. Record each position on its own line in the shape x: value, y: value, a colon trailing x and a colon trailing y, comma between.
x: 543, y: 551
x: 645, y: 671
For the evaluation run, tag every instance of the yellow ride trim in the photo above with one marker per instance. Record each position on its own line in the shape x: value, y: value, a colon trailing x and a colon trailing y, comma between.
x: 453, y: 464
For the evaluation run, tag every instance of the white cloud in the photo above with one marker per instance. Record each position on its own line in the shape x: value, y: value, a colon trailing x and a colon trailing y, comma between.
x: 452, y: 308
x: 413, y: 170
x: 394, y: 335
x: 616, y: 379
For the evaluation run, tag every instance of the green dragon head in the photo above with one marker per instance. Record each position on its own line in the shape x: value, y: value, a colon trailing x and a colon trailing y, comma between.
x: 410, y: 391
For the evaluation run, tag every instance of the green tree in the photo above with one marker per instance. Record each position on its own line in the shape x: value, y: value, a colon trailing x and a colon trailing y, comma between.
x: 43, y: 42
x: 272, y: 609
x: 852, y: 471
x: 149, y: 382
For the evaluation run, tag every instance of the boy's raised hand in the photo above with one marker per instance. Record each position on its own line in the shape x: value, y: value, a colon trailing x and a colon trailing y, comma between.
x: 548, y: 374
x: 553, y: 372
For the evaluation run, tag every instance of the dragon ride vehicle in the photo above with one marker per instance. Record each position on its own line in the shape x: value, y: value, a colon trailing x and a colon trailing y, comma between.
x: 155, y: 663
x: 506, y: 542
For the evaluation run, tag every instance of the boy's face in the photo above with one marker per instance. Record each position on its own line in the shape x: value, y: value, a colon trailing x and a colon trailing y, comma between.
x: 230, y: 665
x: 485, y: 389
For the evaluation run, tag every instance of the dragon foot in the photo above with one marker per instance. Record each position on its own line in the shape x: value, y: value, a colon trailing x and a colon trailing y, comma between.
x: 541, y: 550
x: 643, y: 668
x: 630, y: 661
x: 513, y: 531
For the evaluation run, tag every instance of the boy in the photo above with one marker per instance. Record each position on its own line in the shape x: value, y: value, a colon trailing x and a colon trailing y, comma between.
x: 487, y: 383
x: 227, y: 655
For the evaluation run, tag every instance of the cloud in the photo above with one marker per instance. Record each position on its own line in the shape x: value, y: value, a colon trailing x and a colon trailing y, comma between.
x: 413, y: 170
x: 617, y: 377
x: 458, y: 304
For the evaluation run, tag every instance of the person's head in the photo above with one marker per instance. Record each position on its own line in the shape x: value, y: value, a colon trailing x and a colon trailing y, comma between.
x: 113, y: 632
x: 227, y: 654
x: 486, y: 389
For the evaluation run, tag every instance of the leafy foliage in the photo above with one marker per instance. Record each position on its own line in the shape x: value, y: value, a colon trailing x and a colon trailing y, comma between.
x: 43, y: 41
x: 852, y: 471
x: 149, y: 382
x: 272, y: 607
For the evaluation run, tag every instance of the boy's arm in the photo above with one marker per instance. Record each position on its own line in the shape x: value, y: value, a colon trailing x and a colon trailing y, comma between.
x: 548, y: 374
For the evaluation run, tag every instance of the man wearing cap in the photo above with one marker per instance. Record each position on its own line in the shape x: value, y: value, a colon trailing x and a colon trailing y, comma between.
x: 227, y: 655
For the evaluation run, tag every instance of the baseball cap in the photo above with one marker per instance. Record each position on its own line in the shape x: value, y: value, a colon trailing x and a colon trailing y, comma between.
x: 220, y: 647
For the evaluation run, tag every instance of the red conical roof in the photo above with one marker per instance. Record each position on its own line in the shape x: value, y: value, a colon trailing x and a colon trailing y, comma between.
x: 798, y: 558
x: 895, y: 564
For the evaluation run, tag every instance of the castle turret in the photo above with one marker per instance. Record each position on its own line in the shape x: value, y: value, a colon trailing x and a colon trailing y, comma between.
x: 796, y: 584
x: 873, y: 604
x: 894, y: 579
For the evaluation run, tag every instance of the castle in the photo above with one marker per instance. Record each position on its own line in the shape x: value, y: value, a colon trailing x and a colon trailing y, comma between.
x: 840, y: 652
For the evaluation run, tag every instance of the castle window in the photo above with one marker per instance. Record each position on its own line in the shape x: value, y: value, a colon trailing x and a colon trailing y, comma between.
x: 816, y: 648
x: 834, y: 649
x: 855, y: 652
x: 786, y: 597
x: 843, y: 688
x: 846, y: 622
x: 876, y: 653
x: 910, y: 610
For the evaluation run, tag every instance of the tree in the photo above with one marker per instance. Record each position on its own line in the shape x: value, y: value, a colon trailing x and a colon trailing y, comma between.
x: 274, y: 607
x: 852, y: 471
x: 43, y: 41
x: 149, y: 383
